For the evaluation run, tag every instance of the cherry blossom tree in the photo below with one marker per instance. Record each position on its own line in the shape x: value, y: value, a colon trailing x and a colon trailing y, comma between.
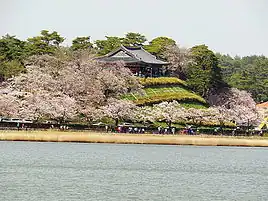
x: 60, y: 88
x: 220, y: 115
x: 41, y: 105
x: 145, y: 114
x: 169, y: 112
x: 199, y: 116
x: 178, y: 58
x: 82, y: 78
x: 236, y: 104
x: 91, y: 113
x: 119, y: 110
x: 9, y: 105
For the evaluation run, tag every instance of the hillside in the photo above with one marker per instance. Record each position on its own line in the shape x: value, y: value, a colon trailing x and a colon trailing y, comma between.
x: 161, y: 89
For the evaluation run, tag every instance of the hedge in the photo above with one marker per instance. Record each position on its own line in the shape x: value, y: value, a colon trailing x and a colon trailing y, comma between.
x: 161, y: 81
x: 176, y: 92
x: 195, y: 105
x: 143, y: 100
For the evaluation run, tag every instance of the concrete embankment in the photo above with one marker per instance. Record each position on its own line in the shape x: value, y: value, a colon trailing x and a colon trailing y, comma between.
x: 90, y: 137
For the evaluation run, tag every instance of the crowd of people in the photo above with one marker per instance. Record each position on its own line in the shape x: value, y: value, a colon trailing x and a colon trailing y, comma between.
x: 123, y: 129
x: 142, y: 130
x: 160, y: 130
x: 132, y: 129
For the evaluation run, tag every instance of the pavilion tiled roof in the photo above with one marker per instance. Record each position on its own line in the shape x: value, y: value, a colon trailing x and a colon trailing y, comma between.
x: 136, y: 54
x: 113, y: 59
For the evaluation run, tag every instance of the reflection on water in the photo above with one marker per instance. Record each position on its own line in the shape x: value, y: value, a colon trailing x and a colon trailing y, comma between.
x: 70, y: 171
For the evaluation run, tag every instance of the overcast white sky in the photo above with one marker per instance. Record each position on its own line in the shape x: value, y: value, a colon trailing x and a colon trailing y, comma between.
x: 237, y: 27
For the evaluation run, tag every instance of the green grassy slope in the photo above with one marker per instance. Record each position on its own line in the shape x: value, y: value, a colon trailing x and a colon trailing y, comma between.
x: 157, y: 90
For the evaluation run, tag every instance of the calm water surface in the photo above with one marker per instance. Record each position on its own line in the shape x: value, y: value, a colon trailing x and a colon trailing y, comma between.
x: 72, y: 171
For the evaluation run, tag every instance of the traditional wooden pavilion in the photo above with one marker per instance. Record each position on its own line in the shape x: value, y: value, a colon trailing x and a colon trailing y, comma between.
x: 138, y: 60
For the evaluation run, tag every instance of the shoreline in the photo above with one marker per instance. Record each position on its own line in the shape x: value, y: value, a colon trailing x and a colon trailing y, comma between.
x: 92, y: 137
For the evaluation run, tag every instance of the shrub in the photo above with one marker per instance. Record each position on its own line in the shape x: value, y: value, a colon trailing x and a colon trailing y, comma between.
x: 195, y: 105
x: 162, y: 89
x: 149, y: 100
x: 161, y: 81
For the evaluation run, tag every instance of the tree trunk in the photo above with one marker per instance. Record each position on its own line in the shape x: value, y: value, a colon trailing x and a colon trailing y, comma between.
x: 221, y: 126
x: 116, y: 122
x: 248, y: 127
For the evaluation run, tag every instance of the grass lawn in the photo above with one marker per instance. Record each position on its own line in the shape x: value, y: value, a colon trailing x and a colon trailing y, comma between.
x: 153, y: 95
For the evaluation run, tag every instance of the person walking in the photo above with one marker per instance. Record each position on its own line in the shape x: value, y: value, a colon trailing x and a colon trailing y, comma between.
x: 106, y: 128
x: 173, y: 130
x: 159, y: 129
x: 166, y: 131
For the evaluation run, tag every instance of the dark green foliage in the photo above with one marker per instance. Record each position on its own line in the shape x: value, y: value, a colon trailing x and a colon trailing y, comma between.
x: 158, y: 46
x: 47, y: 43
x: 226, y: 63
x: 81, y: 43
x: 247, y: 73
x: 113, y: 42
x: 108, y: 45
x: 134, y: 39
x: 9, y: 69
x: 203, y: 73
x: 12, y: 53
x: 11, y: 48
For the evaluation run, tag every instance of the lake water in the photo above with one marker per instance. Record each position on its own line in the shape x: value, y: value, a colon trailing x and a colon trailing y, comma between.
x: 32, y: 171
